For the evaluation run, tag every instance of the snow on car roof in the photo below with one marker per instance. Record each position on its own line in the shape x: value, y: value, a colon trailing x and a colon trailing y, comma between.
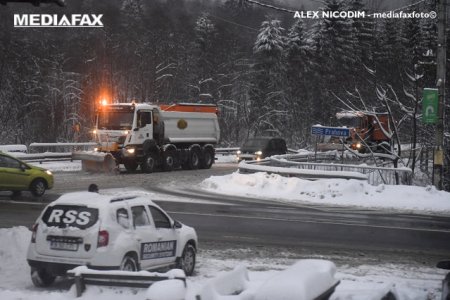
x: 97, y: 199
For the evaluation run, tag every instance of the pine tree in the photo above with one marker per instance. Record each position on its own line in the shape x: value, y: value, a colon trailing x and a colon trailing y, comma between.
x: 334, y: 59
x: 270, y: 42
x: 299, y: 57
x: 268, y: 108
x: 204, y: 81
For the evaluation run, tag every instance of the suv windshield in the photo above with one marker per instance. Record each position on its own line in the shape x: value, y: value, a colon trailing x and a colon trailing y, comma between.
x: 252, y: 143
x: 63, y: 216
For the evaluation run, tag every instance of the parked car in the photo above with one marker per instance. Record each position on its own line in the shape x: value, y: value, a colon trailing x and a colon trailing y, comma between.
x: 17, y: 176
x: 261, y: 147
x: 126, y: 231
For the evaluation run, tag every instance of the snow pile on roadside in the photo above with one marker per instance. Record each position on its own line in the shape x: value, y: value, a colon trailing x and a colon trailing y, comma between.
x: 225, y: 159
x: 14, y: 268
x: 59, y: 166
x: 407, y: 282
x: 330, y: 191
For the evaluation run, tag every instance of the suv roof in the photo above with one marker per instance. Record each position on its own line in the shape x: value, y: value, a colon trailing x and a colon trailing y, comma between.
x: 260, y: 141
x: 99, y: 199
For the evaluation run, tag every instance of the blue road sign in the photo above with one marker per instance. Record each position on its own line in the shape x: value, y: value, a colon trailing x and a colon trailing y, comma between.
x: 334, y: 131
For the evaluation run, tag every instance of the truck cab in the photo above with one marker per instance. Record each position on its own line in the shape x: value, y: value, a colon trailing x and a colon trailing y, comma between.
x: 367, y: 129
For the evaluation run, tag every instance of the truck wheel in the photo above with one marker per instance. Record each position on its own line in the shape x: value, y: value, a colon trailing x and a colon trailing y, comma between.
x: 41, y: 278
x: 169, y: 161
x: 207, y: 159
x: 130, y: 166
x: 149, y: 163
x: 194, y: 160
x: 37, y: 187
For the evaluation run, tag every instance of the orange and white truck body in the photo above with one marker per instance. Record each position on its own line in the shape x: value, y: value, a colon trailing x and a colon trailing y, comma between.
x: 367, y: 130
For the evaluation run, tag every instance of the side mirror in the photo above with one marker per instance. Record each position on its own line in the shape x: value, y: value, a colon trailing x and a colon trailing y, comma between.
x: 177, y: 225
x: 23, y: 167
x: 136, y: 129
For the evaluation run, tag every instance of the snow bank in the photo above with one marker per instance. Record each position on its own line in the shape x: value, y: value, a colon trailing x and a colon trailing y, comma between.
x: 307, y: 279
x: 59, y: 166
x: 407, y: 282
x: 14, y: 148
x: 330, y: 191
x: 14, y: 269
x: 225, y: 285
x: 172, y: 289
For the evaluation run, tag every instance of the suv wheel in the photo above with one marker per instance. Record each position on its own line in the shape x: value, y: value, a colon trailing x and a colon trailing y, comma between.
x: 38, y: 187
x: 129, y: 264
x: 41, y: 278
x: 187, y: 260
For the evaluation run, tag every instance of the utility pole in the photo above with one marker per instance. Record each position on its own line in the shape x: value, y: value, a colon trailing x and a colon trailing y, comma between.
x: 438, y: 166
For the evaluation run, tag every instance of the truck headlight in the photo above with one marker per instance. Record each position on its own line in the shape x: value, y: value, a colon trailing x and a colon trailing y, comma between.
x: 48, y: 172
x: 358, y: 145
x: 130, y: 150
x: 259, y: 153
x: 238, y: 152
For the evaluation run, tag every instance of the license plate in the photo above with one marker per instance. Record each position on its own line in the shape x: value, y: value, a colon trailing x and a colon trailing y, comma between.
x: 55, y: 245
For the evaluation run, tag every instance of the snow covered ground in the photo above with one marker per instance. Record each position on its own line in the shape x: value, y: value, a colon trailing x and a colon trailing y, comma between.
x: 357, y: 282
x: 331, y: 191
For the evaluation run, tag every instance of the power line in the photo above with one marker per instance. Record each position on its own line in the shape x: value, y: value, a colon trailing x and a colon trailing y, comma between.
x: 234, y: 23
x: 271, y: 6
x: 406, y: 6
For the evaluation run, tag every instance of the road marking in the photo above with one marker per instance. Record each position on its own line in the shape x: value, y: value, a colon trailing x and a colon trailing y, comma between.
x: 23, y: 202
x: 321, y: 221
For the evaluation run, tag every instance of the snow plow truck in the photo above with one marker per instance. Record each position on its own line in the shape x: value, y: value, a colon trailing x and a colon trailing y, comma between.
x: 368, y: 131
x: 155, y: 136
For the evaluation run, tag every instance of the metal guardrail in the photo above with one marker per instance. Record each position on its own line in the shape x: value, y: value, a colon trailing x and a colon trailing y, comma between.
x: 298, y: 164
x: 286, y: 166
x: 224, y: 151
x: 117, y: 278
x: 232, y: 150
x: 48, y: 157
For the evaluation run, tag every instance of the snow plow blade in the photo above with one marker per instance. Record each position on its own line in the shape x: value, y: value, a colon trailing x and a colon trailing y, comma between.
x: 97, y: 162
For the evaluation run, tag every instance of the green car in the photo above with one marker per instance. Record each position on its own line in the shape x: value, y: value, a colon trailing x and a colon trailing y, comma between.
x: 16, y: 176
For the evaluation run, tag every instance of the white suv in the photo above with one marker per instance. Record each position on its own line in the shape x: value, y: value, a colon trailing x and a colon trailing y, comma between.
x: 107, y: 232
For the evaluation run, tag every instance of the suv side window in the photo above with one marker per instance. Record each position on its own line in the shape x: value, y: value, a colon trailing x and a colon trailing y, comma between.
x: 282, y: 145
x: 122, y: 217
x: 140, y: 217
x: 273, y: 146
x: 160, y: 219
